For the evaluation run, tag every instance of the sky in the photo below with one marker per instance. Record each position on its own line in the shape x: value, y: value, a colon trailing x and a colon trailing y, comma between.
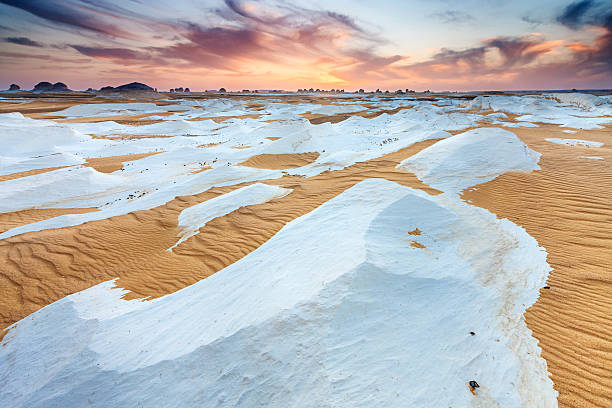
x: 290, y: 44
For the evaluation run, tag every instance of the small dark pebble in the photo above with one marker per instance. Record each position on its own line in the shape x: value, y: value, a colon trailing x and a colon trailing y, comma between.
x: 546, y: 287
x: 472, y: 333
x: 474, y: 384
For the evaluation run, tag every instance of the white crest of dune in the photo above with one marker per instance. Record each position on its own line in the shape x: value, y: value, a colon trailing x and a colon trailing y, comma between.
x: 337, y: 309
x: 573, y: 110
x: 191, y: 219
x: 575, y: 142
x: 108, y: 109
x: 581, y: 100
x: 471, y: 158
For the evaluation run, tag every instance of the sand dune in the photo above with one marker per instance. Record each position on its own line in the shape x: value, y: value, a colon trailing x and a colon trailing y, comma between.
x: 280, y: 161
x: 14, y: 176
x: 132, y: 120
x: 43, y: 104
x: 221, y: 119
x: 114, y: 163
x: 45, y: 266
x: 317, y: 118
x: 567, y: 207
x: 13, y: 219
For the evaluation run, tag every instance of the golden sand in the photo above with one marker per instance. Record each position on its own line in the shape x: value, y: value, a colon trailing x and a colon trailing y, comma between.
x: 21, y: 174
x: 43, y: 104
x: 280, y: 161
x: 567, y: 208
x: 317, y: 119
x: 133, y: 120
x: 16, y: 218
x: 114, y: 163
x: 416, y: 231
x: 44, y: 266
x: 201, y: 169
x: 209, y: 145
x: 220, y: 119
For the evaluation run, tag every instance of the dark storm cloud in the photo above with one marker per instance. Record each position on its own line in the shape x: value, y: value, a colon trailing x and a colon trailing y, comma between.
x: 23, y: 41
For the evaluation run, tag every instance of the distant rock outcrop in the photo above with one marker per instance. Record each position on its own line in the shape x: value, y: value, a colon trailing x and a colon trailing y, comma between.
x: 59, y: 86
x: 43, y: 86
x: 14, y: 87
x: 133, y: 86
x: 222, y: 90
x: 49, y: 87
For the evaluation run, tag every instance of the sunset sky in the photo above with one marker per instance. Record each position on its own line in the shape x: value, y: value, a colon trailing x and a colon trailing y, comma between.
x: 268, y: 44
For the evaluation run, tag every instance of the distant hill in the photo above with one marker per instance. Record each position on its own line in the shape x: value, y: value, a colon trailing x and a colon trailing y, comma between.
x: 45, y: 86
x: 133, y: 86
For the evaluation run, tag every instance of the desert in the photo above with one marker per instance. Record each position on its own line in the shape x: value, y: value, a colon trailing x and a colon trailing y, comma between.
x: 294, y: 204
x: 163, y: 248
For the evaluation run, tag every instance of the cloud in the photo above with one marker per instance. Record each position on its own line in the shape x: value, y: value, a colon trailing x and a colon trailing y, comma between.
x: 453, y: 17
x: 573, y: 14
x: 267, y: 32
x: 518, y: 59
x: 225, y: 42
x: 279, y: 41
x: 596, y: 58
x: 493, y: 62
x: 518, y: 50
x: 70, y: 14
x: 365, y: 65
x: 534, y: 22
x: 119, y: 55
x: 23, y: 41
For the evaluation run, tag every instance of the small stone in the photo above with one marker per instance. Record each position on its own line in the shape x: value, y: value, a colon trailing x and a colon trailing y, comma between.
x: 474, y: 384
x: 472, y: 333
x: 546, y: 287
